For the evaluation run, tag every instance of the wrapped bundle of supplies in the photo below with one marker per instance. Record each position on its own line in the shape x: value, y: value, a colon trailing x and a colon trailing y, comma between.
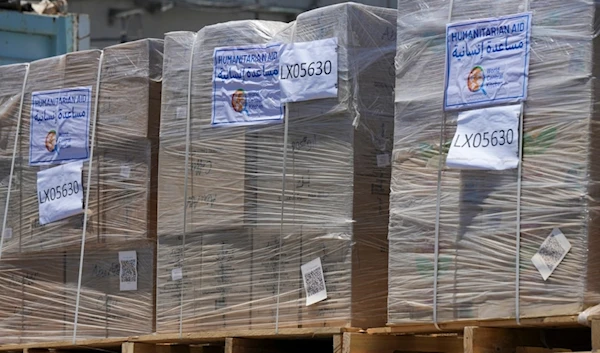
x: 79, y: 136
x: 249, y: 202
x: 475, y: 232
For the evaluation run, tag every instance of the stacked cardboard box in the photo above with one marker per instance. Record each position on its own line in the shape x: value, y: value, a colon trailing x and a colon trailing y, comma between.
x: 122, y: 193
x: 240, y: 266
x: 40, y: 263
x: 13, y: 77
x: 478, y: 209
x: 39, y: 296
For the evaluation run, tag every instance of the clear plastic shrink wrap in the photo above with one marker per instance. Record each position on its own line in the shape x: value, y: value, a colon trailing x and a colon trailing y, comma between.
x: 233, y: 264
x: 39, y: 295
x: 123, y: 189
x: 477, y: 256
x: 39, y: 266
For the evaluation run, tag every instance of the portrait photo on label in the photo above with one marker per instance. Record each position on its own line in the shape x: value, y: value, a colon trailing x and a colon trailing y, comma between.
x: 487, y: 61
x: 246, y: 85
x: 59, y: 126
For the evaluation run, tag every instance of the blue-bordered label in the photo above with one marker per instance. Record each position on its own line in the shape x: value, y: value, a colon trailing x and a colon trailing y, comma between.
x: 487, y: 61
x: 59, y: 126
x: 246, y: 86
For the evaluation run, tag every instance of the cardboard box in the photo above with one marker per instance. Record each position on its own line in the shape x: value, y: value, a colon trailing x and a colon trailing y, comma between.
x: 39, y: 295
x: 478, y: 209
x: 33, y: 297
x: 109, y: 305
x: 211, y: 279
x: 331, y: 170
x: 120, y: 208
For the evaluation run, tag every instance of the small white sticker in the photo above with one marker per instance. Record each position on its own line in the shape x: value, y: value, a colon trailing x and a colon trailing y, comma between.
x: 4, y: 182
x: 60, y: 192
x: 383, y: 160
x: 309, y: 70
x: 181, y: 112
x: 125, y: 171
x: 551, y: 253
x: 176, y: 274
x: 128, y: 274
x: 8, y: 233
x: 486, y: 139
x: 314, y: 282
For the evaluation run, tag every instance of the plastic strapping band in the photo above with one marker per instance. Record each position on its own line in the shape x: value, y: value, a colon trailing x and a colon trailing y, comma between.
x: 186, y: 178
x: 12, y: 165
x: 438, y: 204
x: 518, y: 221
x: 87, y: 196
x: 283, y: 177
x: 436, y: 250
x: 518, y: 225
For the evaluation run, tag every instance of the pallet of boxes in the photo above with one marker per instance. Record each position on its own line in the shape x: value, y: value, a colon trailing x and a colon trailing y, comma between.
x: 79, y: 149
x: 251, y: 205
x: 493, y: 203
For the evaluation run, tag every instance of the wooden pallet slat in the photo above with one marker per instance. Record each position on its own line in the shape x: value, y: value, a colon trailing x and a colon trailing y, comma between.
x: 361, y: 343
x: 458, y: 326
x: 543, y: 335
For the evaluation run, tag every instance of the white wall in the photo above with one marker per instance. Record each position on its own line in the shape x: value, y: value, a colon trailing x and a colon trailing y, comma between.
x: 178, y: 18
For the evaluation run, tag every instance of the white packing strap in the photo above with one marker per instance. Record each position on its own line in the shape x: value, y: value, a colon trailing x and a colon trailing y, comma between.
x: 186, y: 179
x: 438, y: 205
x: 584, y: 317
x: 518, y: 223
x: 14, y: 156
x: 87, y: 196
x: 286, y: 118
x: 285, y: 141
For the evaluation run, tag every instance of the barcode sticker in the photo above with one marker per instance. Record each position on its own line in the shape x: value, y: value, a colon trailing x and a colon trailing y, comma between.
x: 314, y: 282
x: 128, y: 274
x: 383, y: 160
x: 125, y: 171
x: 176, y: 274
x: 551, y: 253
x: 8, y: 233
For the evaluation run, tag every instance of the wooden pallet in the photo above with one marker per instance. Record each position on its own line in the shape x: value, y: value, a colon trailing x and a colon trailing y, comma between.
x: 458, y: 326
x: 545, y: 338
x: 536, y: 335
x: 304, y: 340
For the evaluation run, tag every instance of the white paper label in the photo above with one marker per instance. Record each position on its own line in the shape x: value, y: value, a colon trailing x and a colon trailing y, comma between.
x: 383, y: 160
x: 8, y: 234
x: 309, y: 70
x: 60, y: 121
x: 551, y: 253
x: 181, y: 112
x: 60, y: 192
x: 246, y: 85
x: 176, y: 274
x: 314, y: 282
x: 486, y: 139
x: 125, y: 171
x: 128, y: 274
x: 487, y: 61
